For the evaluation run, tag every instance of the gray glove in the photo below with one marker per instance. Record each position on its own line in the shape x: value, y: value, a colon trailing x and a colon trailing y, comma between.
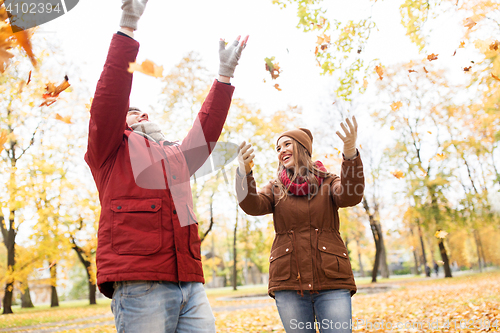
x: 229, y: 57
x: 131, y: 12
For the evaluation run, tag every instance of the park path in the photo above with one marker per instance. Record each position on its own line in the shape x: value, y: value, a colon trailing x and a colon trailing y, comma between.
x: 74, y: 324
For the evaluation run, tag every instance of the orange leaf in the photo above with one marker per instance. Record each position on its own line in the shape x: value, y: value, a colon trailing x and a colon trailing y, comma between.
x: 462, y: 45
x: 412, y: 71
x: 23, y: 40
x: 398, y: 174
x: 495, y: 77
x: 324, y: 39
x: 396, y: 105
x: 3, y: 139
x: 466, y: 69
x: 440, y: 157
x: 469, y: 23
x: 147, y: 67
x: 53, y: 91
x: 277, y: 86
x: 380, y: 71
x: 66, y: 119
x: 29, y: 79
x: 432, y: 57
x: 425, y: 70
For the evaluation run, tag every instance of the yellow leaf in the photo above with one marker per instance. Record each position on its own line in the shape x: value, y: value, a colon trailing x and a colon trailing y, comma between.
x: 469, y: 23
x: 147, y: 67
x: 392, y: 128
x: 398, y: 174
x: 429, y: 132
x: 396, y: 105
x: 440, y: 157
x: 462, y: 44
x: 441, y: 234
x: 66, y: 119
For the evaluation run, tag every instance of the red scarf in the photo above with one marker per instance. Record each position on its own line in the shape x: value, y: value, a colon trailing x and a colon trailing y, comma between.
x: 301, y: 187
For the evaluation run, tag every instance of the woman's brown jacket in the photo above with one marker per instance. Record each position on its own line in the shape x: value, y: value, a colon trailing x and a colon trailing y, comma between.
x: 308, y: 252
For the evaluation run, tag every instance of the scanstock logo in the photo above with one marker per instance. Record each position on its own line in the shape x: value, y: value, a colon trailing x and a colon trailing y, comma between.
x: 26, y: 14
x: 166, y: 165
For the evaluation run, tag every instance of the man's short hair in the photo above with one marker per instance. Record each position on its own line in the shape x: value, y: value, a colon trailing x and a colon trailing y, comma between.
x: 133, y: 108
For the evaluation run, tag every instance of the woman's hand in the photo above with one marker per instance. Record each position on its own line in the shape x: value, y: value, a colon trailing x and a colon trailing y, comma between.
x: 349, y: 138
x: 131, y: 13
x: 245, y: 158
x: 229, y: 57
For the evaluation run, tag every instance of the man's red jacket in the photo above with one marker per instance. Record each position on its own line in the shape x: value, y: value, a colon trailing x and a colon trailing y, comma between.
x: 142, y: 234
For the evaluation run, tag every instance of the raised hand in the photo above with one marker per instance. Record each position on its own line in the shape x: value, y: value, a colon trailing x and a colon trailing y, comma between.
x: 245, y: 158
x: 349, y: 138
x: 131, y: 13
x: 229, y: 56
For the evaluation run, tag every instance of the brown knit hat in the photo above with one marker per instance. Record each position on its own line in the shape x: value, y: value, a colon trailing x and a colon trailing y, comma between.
x: 302, y: 135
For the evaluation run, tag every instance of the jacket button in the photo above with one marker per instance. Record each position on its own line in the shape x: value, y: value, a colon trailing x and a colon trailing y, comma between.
x: 271, y: 258
x: 324, y: 248
x: 174, y: 177
x: 119, y: 207
x: 286, y: 250
x: 175, y: 212
x: 153, y: 206
x: 345, y: 254
x: 310, y: 285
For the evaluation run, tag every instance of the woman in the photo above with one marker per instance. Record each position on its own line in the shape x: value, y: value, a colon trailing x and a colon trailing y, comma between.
x: 310, y: 275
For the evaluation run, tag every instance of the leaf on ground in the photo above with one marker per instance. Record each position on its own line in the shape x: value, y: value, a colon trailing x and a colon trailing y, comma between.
x: 146, y: 67
x: 469, y: 23
x: 396, y: 105
x: 66, y: 119
x: 277, y: 86
x: 52, y: 91
x: 432, y: 56
x: 398, y: 174
x: 380, y: 71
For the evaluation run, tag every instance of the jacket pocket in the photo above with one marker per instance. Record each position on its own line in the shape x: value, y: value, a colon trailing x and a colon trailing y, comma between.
x: 136, y: 228
x: 280, y: 262
x: 334, y: 260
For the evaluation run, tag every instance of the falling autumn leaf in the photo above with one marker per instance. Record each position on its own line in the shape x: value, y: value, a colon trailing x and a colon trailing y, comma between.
x: 454, y: 53
x: 469, y: 23
x: 495, y: 77
x: 466, y: 69
x: 323, y: 39
x: 365, y: 83
x: 425, y: 70
x: 146, y: 67
x: 3, y: 139
x: 432, y: 56
x: 398, y: 174
x: 29, y: 78
x: 462, y: 45
x: 396, y: 105
x: 23, y: 40
x: 440, y: 157
x: 52, y: 91
x: 66, y: 119
x: 338, y: 151
x: 277, y: 86
x: 392, y: 128
x: 429, y: 132
x: 273, y: 68
x: 494, y: 45
x: 441, y: 234
x: 380, y: 71
x: 412, y: 71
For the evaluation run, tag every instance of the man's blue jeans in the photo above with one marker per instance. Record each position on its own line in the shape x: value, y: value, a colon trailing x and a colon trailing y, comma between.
x: 158, y: 307
x: 330, y: 308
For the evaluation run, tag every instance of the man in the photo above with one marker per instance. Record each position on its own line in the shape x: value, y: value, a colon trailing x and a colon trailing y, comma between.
x: 148, y: 254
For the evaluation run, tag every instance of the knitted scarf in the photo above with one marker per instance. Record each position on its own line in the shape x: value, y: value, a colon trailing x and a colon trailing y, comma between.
x: 149, y: 130
x: 300, y: 186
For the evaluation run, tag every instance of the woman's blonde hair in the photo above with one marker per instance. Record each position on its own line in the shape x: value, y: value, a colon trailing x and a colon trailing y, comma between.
x: 303, y: 167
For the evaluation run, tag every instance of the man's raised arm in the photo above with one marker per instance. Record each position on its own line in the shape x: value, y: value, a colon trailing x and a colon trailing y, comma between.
x: 111, y: 99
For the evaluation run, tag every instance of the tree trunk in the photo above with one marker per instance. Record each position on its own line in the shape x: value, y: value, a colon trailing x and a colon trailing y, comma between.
x: 444, y: 257
x: 9, y: 239
x: 478, y: 251
x: 378, y: 251
x: 377, y: 237
x: 384, y: 268
x: 424, y: 259
x: 361, y: 270
x: 54, y: 300
x: 235, y: 271
x: 86, y: 262
x: 26, y: 297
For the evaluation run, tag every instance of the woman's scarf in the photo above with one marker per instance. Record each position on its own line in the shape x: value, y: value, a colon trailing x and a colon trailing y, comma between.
x: 300, y: 186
